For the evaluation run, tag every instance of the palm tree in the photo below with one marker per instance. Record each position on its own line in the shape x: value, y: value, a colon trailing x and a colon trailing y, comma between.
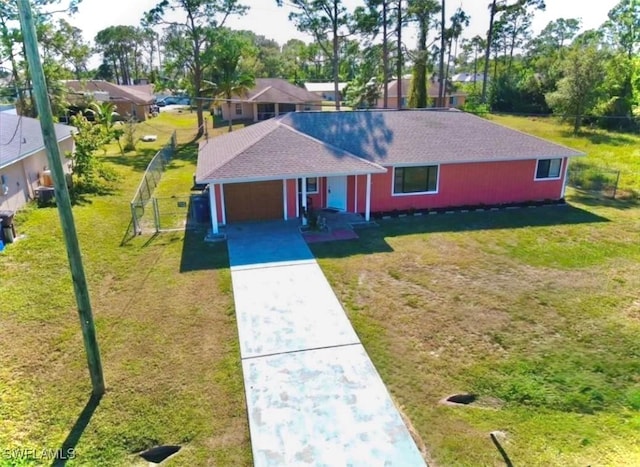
x: 229, y: 77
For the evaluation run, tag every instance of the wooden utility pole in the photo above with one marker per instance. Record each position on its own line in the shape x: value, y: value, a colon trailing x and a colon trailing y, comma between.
x: 62, y: 197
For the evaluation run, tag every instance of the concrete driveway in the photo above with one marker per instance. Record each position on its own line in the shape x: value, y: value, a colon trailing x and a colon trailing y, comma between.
x: 313, y: 395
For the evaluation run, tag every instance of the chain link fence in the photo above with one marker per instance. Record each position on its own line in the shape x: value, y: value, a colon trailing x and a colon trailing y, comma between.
x: 594, y: 179
x: 142, y: 216
x: 181, y: 212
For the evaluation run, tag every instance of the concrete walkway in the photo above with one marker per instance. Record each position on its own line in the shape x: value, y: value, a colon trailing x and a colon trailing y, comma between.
x: 313, y: 395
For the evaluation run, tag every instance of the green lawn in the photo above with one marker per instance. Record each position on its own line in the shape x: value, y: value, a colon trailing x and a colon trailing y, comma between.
x: 164, y: 314
x: 535, y: 310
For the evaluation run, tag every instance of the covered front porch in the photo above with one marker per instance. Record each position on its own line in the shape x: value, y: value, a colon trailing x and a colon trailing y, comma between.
x: 289, y: 198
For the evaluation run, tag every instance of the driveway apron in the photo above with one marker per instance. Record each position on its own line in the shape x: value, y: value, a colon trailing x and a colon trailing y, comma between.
x: 313, y: 395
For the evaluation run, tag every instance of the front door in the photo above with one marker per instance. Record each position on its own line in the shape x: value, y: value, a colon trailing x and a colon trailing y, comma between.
x: 337, y: 193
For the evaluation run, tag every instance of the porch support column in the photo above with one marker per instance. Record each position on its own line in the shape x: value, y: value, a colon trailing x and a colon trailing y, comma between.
x: 222, y: 206
x: 277, y: 109
x: 255, y: 111
x: 565, y: 161
x: 214, y: 209
x: 284, y: 198
x: 367, y: 207
x: 355, y: 200
x: 304, y: 201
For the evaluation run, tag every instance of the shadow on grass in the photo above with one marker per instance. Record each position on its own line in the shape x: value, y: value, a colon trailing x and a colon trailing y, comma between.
x: 590, y: 198
x: 67, y: 450
x: 372, y: 240
x: 597, y: 137
x: 198, y: 255
x: 137, y: 160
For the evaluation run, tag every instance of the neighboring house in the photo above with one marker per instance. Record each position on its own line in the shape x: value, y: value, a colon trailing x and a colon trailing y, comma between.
x: 467, y: 78
x: 23, y: 160
x: 326, y: 90
x: 452, y: 98
x: 269, y: 98
x: 375, y: 161
x: 135, y: 101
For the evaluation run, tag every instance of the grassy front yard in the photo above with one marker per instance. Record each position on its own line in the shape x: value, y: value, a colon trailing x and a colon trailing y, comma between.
x: 165, y: 323
x: 535, y: 310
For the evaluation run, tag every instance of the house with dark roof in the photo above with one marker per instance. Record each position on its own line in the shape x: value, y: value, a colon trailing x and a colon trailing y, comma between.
x: 269, y: 98
x: 453, y: 97
x: 375, y: 161
x: 23, y: 161
x: 129, y: 100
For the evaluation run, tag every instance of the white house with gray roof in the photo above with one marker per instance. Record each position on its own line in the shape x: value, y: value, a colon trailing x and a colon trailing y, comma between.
x: 23, y: 161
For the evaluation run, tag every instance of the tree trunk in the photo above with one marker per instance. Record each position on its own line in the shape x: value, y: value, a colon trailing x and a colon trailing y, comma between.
x: 230, y: 116
x: 475, y: 67
x: 420, y: 86
x: 385, y: 57
x: 336, y: 57
x: 487, y: 52
x: 399, y: 64
x: 441, y: 70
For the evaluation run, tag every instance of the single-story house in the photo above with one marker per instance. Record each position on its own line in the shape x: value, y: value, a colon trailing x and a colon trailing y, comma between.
x: 134, y: 100
x: 269, y: 98
x: 23, y: 160
x: 375, y: 161
x: 453, y: 98
x: 326, y: 90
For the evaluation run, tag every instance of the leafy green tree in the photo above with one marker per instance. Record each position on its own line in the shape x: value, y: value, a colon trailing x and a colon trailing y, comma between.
x: 579, y: 89
x: 545, y: 52
x: 422, y: 12
x: 12, y: 49
x: 372, y: 20
x: 200, y: 18
x: 496, y: 9
x: 323, y: 19
x: 622, y: 33
x: 459, y: 21
x: 88, y: 139
x: 364, y: 90
x: 230, y: 79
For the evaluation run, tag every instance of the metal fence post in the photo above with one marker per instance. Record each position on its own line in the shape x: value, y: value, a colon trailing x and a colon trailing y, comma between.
x: 156, y: 214
x: 615, y: 187
x: 134, y: 218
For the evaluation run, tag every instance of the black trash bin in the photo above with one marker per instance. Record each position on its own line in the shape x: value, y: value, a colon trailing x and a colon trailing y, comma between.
x: 7, y: 227
x: 6, y: 218
x: 200, y: 206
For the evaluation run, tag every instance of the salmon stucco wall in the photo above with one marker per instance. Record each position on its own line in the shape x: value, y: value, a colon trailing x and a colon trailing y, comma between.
x: 487, y: 183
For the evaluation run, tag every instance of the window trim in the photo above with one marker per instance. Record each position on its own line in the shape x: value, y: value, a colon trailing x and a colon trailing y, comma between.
x: 317, y: 190
x: 238, y: 106
x: 543, y: 179
x: 417, y: 193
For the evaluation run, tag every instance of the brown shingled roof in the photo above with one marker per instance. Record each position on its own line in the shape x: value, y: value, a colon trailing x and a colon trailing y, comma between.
x: 116, y: 92
x: 271, y: 90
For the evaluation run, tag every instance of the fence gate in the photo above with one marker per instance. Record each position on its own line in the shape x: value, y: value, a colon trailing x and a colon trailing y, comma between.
x: 175, y: 213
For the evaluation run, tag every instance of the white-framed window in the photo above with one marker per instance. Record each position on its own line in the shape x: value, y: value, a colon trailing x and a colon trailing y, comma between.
x: 312, y: 185
x: 238, y: 109
x: 548, y: 169
x: 415, y: 180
